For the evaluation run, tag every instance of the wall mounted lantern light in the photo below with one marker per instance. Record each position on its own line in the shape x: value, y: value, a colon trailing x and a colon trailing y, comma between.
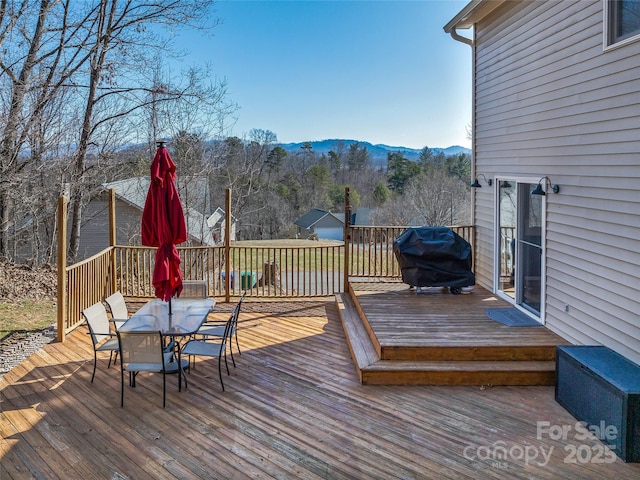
x: 541, y: 191
x: 476, y: 183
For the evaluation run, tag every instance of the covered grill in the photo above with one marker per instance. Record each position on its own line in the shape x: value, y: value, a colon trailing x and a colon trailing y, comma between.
x: 434, y: 257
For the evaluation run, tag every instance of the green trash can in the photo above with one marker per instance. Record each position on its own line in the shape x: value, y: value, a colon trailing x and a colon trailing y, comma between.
x: 247, y: 280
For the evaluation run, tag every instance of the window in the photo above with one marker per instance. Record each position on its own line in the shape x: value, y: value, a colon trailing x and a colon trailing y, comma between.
x: 623, y: 20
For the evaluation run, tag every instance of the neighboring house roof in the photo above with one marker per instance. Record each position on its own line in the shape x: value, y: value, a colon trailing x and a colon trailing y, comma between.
x: 134, y: 192
x: 309, y: 219
x: 362, y: 216
x: 192, y: 191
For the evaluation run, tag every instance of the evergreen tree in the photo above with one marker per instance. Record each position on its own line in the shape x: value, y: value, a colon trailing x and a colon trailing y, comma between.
x: 399, y: 171
x: 381, y: 194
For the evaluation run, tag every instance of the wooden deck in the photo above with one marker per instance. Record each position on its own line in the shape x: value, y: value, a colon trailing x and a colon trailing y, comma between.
x: 399, y: 337
x: 293, y: 408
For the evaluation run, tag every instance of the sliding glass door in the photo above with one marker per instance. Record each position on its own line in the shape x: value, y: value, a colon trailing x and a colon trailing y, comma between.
x: 520, y: 227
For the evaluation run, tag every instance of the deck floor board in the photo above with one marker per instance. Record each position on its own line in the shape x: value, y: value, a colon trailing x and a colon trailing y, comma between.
x: 293, y: 408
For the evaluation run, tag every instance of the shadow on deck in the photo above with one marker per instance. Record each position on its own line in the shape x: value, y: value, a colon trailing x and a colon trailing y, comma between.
x: 397, y: 337
x: 293, y: 408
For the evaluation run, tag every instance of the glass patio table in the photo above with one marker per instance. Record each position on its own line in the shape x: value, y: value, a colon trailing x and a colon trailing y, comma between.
x: 187, y: 315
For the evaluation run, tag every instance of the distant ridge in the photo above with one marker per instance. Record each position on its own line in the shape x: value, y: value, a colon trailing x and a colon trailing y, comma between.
x: 378, y: 152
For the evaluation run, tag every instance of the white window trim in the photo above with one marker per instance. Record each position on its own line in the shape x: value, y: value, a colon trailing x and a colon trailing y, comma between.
x: 606, y: 46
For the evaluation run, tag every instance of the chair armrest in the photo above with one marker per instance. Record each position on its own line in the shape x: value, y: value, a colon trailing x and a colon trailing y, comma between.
x: 103, y: 334
x: 214, y: 323
x: 212, y: 330
x: 117, y: 322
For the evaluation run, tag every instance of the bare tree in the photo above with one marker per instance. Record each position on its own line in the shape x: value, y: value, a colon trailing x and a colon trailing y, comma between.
x: 394, y: 212
x: 94, y: 54
x: 242, y: 167
x: 28, y: 61
x: 437, y: 199
x: 120, y: 43
x: 431, y: 198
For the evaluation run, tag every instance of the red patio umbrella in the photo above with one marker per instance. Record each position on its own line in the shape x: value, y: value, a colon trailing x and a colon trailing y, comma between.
x: 163, y: 225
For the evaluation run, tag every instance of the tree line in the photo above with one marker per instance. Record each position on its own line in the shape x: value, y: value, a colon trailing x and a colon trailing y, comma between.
x: 87, y: 90
x: 272, y: 187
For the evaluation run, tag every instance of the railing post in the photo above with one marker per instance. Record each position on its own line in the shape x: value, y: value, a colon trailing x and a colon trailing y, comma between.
x: 112, y: 238
x: 62, y: 267
x: 347, y: 237
x: 227, y: 246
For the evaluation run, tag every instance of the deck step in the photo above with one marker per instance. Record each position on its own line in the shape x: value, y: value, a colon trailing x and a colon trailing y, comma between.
x: 455, y: 353
x: 392, y: 372
x: 372, y: 370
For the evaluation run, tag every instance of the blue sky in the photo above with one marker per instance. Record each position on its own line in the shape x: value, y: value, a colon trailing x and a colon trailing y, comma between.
x: 378, y: 71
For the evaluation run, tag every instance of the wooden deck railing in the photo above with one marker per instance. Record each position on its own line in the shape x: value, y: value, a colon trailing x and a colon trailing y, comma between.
x: 274, y: 272
x: 270, y: 272
x: 87, y: 282
x: 371, y: 250
x: 260, y: 271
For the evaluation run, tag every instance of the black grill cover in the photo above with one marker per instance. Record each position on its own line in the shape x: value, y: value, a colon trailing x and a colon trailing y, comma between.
x: 434, y: 257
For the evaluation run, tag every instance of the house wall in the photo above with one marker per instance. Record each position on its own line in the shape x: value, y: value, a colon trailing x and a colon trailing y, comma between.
x: 549, y: 100
x: 329, y: 228
x: 94, y: 233
x: 302, y: 232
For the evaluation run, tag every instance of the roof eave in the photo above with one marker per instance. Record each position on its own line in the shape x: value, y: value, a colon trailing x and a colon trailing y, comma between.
x: 474, y: 11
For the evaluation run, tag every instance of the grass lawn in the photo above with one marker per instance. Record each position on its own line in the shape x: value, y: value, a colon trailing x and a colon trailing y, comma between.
x: 311, y: 255
x: 26, y: 316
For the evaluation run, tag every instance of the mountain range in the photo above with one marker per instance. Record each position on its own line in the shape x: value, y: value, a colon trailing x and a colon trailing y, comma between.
x: 378, y: 152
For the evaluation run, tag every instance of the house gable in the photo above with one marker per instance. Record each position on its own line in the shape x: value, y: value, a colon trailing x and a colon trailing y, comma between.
x: 325, y: 224
x: 310, y: 218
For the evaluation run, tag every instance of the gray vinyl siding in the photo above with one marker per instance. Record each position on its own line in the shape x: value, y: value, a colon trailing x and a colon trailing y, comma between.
x: 484, y: 241
x: 94, y: 233
x: 548, y: 100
